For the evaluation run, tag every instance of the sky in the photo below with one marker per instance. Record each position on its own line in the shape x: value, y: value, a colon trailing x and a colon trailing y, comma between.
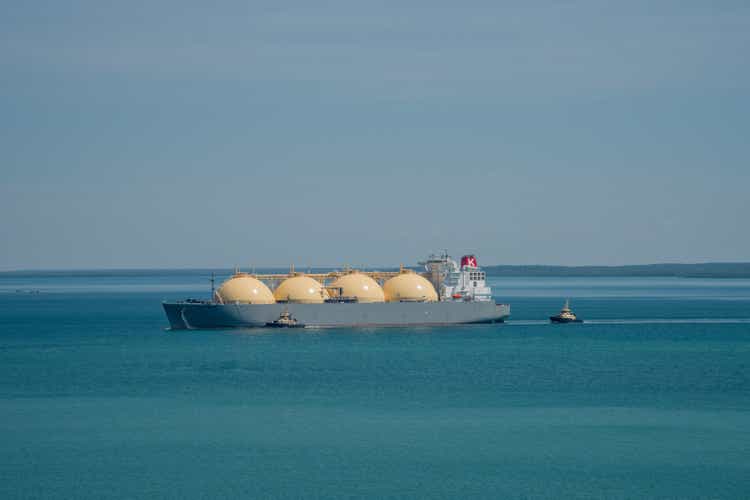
x: 187, y: 133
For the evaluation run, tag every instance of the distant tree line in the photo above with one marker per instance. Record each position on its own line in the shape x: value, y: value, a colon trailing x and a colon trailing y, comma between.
x: 706, y: 270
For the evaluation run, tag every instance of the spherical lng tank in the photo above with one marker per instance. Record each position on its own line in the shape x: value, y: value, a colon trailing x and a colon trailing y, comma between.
x: 409, y: 287
x: 301, y: 289
x: 359, y: 286
x: 244, y: 289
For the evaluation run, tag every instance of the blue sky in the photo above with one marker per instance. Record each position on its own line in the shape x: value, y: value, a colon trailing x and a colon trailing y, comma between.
x: 183, y: 134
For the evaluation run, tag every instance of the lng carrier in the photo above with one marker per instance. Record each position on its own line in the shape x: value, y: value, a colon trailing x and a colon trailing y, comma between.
x: 446, y: 293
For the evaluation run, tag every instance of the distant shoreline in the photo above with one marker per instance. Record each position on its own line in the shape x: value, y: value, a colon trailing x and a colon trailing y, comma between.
x: 703, y: 270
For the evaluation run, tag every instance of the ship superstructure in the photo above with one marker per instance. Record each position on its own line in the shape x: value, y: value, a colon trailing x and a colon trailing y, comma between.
x: 447, y: 293
x: 464, y: 282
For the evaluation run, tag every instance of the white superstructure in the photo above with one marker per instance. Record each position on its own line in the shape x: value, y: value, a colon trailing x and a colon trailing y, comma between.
x: 464, y: 282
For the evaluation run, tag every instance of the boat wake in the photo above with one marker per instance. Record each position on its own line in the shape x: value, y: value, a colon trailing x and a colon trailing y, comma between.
x: 685, y: 321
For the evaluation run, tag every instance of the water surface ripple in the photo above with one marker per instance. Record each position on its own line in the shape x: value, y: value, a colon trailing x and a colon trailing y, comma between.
x: 649, y: 398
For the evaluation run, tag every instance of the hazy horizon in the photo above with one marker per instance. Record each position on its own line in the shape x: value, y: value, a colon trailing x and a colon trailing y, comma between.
x: 342, y: 266
x: 169, y: 135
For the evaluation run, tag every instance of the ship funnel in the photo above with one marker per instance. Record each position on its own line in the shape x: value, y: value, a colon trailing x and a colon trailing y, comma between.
x: 468, y: 261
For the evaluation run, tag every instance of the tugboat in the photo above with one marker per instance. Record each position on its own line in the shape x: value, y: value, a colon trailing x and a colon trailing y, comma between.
x: 285, y: 321
x: 565, y: 316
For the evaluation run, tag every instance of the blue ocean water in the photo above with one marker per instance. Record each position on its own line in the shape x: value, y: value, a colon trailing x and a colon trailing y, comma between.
x: 648, y: 399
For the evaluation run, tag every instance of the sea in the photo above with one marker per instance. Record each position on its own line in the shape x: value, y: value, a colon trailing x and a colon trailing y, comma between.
x: 648, y: 398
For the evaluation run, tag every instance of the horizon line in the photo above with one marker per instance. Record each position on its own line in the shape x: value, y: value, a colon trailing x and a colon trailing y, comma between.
x: 210, y: 268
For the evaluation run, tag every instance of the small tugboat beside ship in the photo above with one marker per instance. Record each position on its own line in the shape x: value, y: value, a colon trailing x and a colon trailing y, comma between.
x: 285, y: 320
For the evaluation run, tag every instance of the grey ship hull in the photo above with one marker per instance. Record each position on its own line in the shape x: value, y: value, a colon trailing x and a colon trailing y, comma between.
x: 203, y: 315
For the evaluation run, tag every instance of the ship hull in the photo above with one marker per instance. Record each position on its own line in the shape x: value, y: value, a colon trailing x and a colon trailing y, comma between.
x: 194, y: 315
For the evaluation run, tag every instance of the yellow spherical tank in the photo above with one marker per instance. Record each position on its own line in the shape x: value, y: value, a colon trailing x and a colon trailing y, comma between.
x: 409, y: 287
x: 302, y: 289
x: 244, y: 289
x: 359, y: 286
